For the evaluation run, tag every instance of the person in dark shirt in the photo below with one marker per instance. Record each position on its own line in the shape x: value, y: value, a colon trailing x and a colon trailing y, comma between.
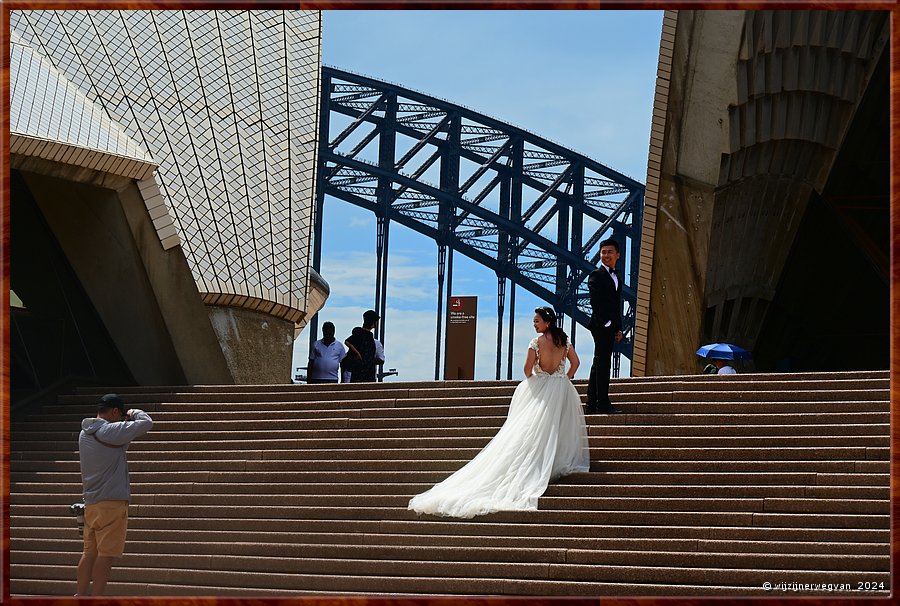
x: 361, y: 349
x: 605, y: 288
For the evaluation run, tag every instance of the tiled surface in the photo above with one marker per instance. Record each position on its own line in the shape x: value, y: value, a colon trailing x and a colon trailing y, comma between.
x: 49, y: 116
x: 226, y: 103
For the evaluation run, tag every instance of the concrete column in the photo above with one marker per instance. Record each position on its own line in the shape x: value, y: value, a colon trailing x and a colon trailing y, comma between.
x: 257, y: 346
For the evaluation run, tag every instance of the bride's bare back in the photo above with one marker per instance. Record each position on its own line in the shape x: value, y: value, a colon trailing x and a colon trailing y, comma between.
x: 549, y: 355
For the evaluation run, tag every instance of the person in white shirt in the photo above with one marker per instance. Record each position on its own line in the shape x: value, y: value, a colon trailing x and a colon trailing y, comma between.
x: 379, y: 353
x: 724, y: 368
x: 325, y: 357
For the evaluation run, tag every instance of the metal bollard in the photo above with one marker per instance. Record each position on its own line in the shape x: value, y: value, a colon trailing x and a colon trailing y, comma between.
x: 78, y: 510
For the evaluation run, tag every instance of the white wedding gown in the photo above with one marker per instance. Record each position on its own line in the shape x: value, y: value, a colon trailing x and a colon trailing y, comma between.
x: 543, y: 438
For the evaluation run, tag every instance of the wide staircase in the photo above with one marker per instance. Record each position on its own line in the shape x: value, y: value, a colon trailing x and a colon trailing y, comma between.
x: 707, y: 485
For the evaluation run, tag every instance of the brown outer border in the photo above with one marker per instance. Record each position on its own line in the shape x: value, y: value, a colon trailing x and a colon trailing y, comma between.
x: 4, y: 306
x: 8, y: 5
x: 895, y: 273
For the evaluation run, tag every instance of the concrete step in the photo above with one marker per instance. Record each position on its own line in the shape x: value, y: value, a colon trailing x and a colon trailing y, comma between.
x: 592, y: 503
x: 499, y: 406
x: 488, y: 397
x: 439, y: 437
x: 739, y: 473
x: 626, y: 517
x: 843, y: 472
x: 740, y: 382
x: 792, y: 492
x: 815, y: 394
x: 25, y: 490
x: 515, y: 588
x: 761, y: 453
x: 487, y: 530
x: 434, y: 470
x: 761, y: 378
x: 479, y: 577
x: 662, y: 421
x: 707, y: 504
x: 355, y: 551
x: 881, y: 430
x: 778, y: 427
x: 493, y: 530
x: 372, y: 558
x: 667, y: 379
x: 495, y: 415
x: 365, y: 586
x: 403, y: 456
x: 162, y: 540
x: 736, y: 391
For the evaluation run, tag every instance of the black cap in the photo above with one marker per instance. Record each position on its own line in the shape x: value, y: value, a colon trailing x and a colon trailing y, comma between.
x: 111, y: 400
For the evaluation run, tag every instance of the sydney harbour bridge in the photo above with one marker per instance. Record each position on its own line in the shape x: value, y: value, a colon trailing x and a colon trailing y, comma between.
x: 527, y: 208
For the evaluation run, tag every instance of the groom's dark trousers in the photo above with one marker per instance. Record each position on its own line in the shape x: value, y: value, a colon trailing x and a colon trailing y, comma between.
x: 605, y: 306
x: 598, y: 383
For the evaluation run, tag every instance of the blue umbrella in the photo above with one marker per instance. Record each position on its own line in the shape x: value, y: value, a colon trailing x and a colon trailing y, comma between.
x: 724, y: 351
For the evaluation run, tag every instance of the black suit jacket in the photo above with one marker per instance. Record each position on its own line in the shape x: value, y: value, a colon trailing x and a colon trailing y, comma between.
x: 605, y: 300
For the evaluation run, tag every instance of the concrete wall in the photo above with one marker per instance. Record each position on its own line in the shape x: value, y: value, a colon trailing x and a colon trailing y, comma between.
x: 800, y: 78
x: 257, y: 346
x: 146, y: 296
x: 751, y: 109
x: 177, y: 296
x: 692, y: 101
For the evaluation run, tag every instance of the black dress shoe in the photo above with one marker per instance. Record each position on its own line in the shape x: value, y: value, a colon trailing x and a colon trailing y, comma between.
x: 610, y: 411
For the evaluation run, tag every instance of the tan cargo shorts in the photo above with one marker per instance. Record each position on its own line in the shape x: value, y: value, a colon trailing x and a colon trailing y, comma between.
x: 105, y: 524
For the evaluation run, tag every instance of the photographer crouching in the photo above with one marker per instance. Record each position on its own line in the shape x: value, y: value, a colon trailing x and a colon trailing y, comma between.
x: 104, y: 476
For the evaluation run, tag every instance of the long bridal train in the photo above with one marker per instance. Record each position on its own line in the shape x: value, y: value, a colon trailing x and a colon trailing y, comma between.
x: 543, y: 438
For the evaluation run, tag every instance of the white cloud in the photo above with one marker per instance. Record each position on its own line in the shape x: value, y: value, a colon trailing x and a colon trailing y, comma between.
x: 351, y: 277
x: 364, y: 221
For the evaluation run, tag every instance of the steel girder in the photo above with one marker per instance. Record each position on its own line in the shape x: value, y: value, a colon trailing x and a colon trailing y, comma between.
x: 529, y: 209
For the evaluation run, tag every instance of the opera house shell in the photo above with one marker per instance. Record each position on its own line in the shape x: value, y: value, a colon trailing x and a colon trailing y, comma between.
x: 161, y: 195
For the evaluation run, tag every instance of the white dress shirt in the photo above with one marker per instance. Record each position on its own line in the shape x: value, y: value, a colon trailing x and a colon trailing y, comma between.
x: 615, y: 280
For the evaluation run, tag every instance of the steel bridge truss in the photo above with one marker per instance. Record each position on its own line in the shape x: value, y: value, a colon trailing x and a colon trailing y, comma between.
x: 532, y: 211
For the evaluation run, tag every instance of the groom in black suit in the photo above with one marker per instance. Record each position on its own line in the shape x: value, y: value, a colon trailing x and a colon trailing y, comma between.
x: 605, y: 288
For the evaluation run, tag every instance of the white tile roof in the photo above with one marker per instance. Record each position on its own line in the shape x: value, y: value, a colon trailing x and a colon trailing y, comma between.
x: 227, y: 103
x: 51, y: 119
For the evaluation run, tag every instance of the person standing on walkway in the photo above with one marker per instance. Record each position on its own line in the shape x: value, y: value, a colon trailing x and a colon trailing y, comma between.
x: 325, y: 357
x: 605, y: 288
x: 379, y: 358
x: 361, y: 343
x: 106, y: 488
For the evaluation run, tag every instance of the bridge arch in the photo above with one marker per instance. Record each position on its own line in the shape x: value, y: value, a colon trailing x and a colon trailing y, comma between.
x: 530, y: 209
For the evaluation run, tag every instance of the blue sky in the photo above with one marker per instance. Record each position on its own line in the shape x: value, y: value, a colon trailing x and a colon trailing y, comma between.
x: 584, y: 79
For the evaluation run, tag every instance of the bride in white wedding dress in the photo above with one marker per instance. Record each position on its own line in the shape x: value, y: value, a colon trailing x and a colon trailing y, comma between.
x: 543, y: 438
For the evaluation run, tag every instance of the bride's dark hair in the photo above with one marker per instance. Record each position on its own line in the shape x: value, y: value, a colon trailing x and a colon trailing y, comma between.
x: 559, y: 336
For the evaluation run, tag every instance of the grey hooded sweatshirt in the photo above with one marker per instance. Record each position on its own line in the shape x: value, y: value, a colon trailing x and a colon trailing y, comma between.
x: 104, y: 466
